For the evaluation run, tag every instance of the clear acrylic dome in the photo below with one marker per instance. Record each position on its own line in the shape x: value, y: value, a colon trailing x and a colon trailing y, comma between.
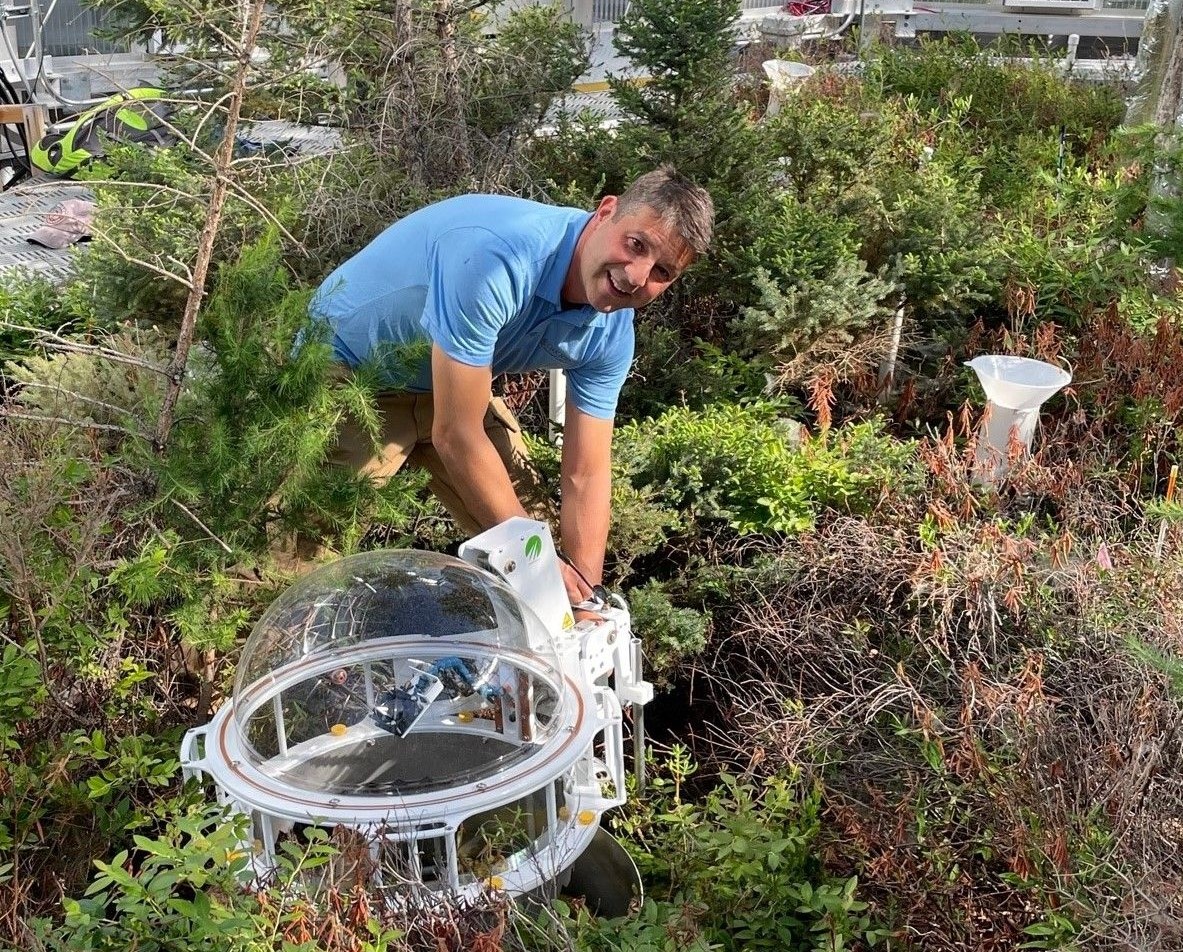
x: 396, y: 672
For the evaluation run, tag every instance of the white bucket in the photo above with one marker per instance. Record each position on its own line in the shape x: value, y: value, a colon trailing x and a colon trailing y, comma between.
x: 1016, y: 387
x: 783, y: 76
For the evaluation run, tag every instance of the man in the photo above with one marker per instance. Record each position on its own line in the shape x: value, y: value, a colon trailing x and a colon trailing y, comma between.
x: 495, y: 285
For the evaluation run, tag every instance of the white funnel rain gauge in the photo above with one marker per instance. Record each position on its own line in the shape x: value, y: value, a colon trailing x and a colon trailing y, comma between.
x: 447, y: 710
x: 1016, y: 387
x: 783, y: 79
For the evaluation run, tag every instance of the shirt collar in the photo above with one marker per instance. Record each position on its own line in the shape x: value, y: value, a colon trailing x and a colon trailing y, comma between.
x: 550, y: 286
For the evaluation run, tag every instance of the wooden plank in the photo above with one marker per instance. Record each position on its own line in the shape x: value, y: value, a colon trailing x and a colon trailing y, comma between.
x: 35, y: 122
x: 33, y: 118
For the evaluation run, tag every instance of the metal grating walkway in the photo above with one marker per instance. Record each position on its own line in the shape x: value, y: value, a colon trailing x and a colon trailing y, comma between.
x: 22, y: 210
x: 23, y: 207
x: 290, y: 138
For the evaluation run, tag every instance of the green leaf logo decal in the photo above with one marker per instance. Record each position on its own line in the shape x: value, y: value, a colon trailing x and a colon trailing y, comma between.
x: 533, y: 547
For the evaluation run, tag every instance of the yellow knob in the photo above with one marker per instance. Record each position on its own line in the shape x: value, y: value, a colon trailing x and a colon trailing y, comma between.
x: 564, y: 813
x: 496, y: 882
x: 587, y: 817
x: 464, y: 717
x: 338, y: 729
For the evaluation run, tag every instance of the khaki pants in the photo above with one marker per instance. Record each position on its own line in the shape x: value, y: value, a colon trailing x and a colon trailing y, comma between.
x: 405, y: 438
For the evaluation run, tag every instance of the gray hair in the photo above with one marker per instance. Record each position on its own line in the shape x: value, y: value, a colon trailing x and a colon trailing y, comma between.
x: 675, y: 200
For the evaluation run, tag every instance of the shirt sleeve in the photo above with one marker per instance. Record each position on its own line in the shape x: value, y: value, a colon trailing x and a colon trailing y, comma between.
x: 595, y: 385
x: 474, y: 288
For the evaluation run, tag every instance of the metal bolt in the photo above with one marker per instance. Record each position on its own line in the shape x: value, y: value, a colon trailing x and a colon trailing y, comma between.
x: 510, y: 566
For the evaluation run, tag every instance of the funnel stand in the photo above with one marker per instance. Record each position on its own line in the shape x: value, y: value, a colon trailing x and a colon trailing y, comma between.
x: 1016, y: 387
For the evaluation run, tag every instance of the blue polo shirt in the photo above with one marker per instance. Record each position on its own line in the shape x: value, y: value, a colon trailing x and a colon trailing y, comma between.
x: 482, y: 277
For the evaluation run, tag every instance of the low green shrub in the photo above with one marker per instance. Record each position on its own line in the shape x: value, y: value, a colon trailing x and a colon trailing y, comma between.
x: 670, y: 634
x: 1080, y: 253
x: 725, y: 462
x: 747, y: 466
x: 1002, y: 103
x: 34, y: 303
x: 736, y: 870
x: 185, y: 890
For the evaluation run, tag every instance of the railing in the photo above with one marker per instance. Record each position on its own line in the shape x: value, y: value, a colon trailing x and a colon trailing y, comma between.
x: 1105, y: 4
x: 610, y: 11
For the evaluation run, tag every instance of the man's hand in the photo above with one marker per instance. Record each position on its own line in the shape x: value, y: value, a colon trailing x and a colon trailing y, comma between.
x: 577, y: 589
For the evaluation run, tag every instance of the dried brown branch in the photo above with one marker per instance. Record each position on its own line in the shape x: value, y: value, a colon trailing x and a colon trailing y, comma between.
x: 56, y: 342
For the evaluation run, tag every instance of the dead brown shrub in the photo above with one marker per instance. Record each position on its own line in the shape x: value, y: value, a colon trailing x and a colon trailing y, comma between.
x: 994, y: 754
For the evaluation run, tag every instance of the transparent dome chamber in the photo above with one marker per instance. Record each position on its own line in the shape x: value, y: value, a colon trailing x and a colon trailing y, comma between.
x: 421, y: 703
x: 396, y: 673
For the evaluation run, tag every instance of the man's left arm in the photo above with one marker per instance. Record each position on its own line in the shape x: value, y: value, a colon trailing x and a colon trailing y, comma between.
x: 586, y: 491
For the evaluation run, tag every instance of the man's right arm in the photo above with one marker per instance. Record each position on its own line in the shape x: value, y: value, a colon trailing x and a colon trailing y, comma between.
x: 460, y: 395
x: 460, y: 398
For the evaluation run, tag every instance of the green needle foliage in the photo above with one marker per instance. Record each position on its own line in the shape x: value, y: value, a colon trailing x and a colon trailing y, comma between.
x: 684, y: 51
x: 259, y: 422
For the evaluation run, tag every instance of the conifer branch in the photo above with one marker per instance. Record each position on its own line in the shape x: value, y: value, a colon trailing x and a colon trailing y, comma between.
x: 73, y: 395
x: 55, y: 342
x: 204, y: 528
x: 64, y: 421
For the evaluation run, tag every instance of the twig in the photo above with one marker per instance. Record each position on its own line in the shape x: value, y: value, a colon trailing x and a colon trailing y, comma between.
x: 213, y: 220
x: 67, y: 346
x: 146, y: 265
x: 72, y: 394
x: 81, y: 424
x: 1170, y: 497
x: 206, y: 529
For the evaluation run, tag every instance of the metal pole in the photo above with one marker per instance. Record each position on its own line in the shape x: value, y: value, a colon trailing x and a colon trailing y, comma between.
x: 639, y: 747
x: 558, y: 404
x: 638, y: 721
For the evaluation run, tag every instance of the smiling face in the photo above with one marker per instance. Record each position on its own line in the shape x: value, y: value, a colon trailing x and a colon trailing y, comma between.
x: 624, y: 260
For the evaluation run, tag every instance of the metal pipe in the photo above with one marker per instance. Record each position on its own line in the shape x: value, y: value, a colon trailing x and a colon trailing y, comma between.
x: 638, y: 722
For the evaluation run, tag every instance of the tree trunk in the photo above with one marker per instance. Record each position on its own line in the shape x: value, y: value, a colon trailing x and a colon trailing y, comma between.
x: 445, y: 25
x: 403, y: 95
x: 1159, y: 95
x: 223, y: 159
x: 1157, y: 92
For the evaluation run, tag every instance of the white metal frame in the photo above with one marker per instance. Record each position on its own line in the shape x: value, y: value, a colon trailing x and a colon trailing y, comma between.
x: 583, y: 758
